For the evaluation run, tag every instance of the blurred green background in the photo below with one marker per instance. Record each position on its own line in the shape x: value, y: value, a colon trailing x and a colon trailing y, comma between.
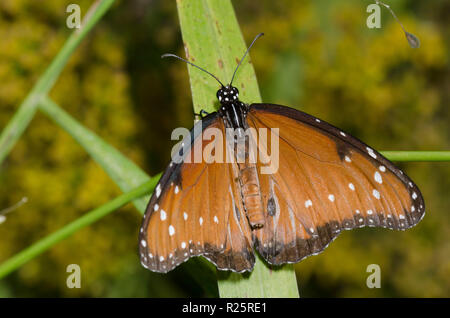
x: 317, y: 56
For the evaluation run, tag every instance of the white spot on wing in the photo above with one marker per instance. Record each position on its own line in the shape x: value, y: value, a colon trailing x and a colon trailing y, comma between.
x: 171, y: 230
x: 347, y: 158
x: 331, y: 198
x: 378, y: 178
x: 376, y: 194
x: 143, y: 243
x: 308, y: 203
x: 351, y: 186
x: 382, y: 168
x: 200, y: 220
x: 163, y: 215
x: 158, y: 190
x: 371, y: 153
x: 185, y: 216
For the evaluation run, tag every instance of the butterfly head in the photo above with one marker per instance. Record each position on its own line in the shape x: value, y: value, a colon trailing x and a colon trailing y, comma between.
x: 228, y: 94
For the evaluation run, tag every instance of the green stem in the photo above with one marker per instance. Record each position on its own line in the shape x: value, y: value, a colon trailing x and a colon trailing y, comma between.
x: 42, y: 245
x: 214, y: 41
x: 417, y: 155
x: 27, y: 109
x: 122, y: 171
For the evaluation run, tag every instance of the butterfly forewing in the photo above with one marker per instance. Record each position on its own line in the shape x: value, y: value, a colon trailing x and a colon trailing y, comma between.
x: 196, y: 209
x: 326, y: 181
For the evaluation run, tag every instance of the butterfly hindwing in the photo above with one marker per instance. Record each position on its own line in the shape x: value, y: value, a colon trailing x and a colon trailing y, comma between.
x: 196, y: 210
x: 326, y: 181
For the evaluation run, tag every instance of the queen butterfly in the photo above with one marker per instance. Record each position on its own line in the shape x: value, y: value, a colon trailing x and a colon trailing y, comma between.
x: 326, y: 181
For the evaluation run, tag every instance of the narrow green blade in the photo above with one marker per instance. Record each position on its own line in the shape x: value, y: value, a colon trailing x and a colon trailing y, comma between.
x: 50, y: 240
x: 213, y: 40
x: 122, y: 171
x: 19, y: 122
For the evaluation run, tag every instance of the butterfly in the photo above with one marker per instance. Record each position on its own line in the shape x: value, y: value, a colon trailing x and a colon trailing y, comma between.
x: 287, y: 207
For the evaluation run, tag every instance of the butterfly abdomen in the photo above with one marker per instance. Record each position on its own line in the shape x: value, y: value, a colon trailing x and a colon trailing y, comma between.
x: 251, y: 194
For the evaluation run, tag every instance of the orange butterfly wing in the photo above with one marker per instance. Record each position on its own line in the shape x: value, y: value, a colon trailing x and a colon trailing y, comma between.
x: 196, y: 209
x: 327, y: 181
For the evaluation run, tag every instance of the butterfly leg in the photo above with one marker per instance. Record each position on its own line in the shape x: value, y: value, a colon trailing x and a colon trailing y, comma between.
x: 202, y: 114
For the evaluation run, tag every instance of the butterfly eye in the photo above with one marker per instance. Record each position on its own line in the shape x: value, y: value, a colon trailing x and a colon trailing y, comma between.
x: 219, y: 94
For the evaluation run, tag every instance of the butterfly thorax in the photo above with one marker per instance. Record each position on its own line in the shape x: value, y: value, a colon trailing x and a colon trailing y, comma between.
x: 234, y: 114
x: 232, y: 110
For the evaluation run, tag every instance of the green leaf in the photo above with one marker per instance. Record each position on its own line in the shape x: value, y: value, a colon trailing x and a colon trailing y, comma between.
x: 417, y: 155
x: 44, y: 244
x: 213, y: 40
x: 125, y: 174
x: 122, y: 171
x: 14, y: 129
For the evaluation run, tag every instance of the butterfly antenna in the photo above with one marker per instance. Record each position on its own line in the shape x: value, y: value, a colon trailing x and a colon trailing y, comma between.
x: 182, y: 59
x: 245, y: 54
